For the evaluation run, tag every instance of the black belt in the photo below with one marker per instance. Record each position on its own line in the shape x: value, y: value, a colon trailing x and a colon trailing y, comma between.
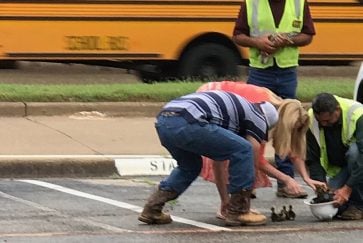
x: 169, y: 113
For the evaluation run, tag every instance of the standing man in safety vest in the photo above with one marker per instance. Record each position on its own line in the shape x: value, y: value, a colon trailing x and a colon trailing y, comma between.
x: 273, y: 30
x: 335, y: 150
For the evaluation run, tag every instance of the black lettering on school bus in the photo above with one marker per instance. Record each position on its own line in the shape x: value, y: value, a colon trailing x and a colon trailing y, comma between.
x: 96, y: 43
x: 81, y: 41
x: 90, y: 43
x: 93, y: 43
x: 118, y: 43
x: 70, y: 45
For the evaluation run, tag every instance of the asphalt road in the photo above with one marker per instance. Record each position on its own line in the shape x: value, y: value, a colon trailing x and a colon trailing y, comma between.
x: 40, y: 72
x: 106, y: 210
x: 55, y: 73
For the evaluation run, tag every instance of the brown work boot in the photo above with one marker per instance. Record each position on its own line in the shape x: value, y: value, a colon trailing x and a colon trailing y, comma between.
x: 283, y: 192
x: 352, y: 213
x: 238, y: 212
x: 152, y: 213
x: 252, y: 218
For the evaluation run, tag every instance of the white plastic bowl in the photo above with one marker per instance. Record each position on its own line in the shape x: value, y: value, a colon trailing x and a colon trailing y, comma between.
x: 322, y: 211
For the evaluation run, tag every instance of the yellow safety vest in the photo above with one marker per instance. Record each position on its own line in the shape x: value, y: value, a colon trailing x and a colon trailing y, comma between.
x: 351, y: 112
x: 261, y: 22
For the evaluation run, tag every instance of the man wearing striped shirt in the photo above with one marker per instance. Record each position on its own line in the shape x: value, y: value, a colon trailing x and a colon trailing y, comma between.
x: 219, y: 125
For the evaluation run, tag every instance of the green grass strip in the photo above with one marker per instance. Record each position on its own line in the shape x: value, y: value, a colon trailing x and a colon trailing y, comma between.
x: 157, y: 92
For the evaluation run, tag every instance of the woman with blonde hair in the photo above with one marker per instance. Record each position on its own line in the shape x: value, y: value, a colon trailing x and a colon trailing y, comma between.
x: 288, y: 139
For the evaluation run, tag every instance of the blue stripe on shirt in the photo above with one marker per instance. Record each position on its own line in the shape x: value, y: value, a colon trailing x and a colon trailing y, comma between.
x: 222, y: 108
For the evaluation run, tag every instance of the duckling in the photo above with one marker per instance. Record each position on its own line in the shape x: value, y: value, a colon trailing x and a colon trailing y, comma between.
x: 274, y: 216
x: 291, y: 214
x: 284, y: 213
x: 323, y: 194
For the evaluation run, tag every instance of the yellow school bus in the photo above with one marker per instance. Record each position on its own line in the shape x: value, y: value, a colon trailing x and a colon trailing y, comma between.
x: 159, y: 38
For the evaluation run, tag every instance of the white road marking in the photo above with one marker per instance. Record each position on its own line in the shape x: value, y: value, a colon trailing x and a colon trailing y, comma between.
x: 26, y: 202
x: 119, y: 204
x: 59, y: 214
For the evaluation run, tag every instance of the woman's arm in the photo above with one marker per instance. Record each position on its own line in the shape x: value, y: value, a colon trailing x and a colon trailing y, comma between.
x: 301, y: 169
x: 292, y: 185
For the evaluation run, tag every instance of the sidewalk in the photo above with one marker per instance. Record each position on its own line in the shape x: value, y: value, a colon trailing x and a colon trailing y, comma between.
x: 82, y: 140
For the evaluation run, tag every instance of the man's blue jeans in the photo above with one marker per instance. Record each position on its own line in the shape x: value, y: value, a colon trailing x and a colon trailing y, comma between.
x: 336, y: 182
x: 186, y: 142
x: 283, y: 82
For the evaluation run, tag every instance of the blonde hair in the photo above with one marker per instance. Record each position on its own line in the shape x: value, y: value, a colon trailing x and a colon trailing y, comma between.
x: 272, y: 97
x: 288, y: 136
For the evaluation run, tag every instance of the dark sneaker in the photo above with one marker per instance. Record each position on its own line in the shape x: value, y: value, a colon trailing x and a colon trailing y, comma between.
x: 282, y: 192
x: 352, y: 213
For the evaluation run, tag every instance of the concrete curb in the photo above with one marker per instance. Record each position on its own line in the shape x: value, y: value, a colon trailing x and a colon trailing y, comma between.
x: 19, y: 109
x: 87, y: 166
x: 84, y: 166
x: 115, y: 109
x: 13, y: 109
x: 56, y: 167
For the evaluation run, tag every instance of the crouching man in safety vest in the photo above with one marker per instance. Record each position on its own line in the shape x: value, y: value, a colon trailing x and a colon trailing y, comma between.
x: 335, y: 151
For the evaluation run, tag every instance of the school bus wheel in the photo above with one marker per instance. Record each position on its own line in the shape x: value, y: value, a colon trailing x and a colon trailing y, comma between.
x: 208, y: 61
x: 157, y: 71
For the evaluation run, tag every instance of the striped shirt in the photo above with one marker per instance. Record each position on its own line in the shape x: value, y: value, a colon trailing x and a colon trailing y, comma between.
x: 224, y: 109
